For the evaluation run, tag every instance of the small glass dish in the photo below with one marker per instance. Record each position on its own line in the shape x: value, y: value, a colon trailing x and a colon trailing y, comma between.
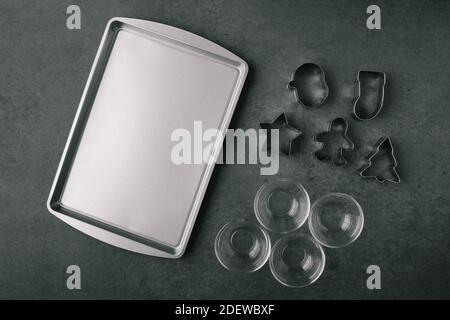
x: 336, y: 220
x: 282, y: 205
x: 242, y: 246
x: 297, y: 260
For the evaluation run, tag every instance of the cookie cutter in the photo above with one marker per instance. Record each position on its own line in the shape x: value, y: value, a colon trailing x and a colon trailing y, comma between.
x: 287, y: 133
x: 309, y: 85
x: 370, y: 98
x: 338, y: 126
x: 385, y: 144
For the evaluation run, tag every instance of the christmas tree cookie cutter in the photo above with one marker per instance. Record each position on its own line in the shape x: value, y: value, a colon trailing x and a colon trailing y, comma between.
x: 389, y: 172
x: 334, y: 142
x: 287, y: 133
x: 309, y: 85
x: 370, y: 98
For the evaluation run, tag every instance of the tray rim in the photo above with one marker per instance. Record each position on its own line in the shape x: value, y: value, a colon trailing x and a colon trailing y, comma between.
x: 185, y: 38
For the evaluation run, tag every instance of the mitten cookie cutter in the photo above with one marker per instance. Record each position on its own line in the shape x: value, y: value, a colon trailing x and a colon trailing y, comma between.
x: 309, y: 85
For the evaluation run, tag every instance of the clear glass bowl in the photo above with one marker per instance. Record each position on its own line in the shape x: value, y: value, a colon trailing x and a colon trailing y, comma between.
x: 282, y: 205
x: 297, y: 260
x: 336, y: 220
x: 242, y: 246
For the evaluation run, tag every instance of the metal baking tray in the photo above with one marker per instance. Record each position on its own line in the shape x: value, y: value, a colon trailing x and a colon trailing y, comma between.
x: 116, y: 181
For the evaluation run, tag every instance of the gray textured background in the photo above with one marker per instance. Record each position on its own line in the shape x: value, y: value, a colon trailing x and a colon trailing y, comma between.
x: 44, y: 68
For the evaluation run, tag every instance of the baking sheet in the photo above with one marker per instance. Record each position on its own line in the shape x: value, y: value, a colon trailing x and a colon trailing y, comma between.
x: 116, y: 181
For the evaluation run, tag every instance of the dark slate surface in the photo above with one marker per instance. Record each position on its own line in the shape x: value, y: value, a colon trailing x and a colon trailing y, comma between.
x: 44, y: 67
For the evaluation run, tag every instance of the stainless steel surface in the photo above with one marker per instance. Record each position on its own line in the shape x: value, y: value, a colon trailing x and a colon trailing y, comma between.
x: 116, y: 181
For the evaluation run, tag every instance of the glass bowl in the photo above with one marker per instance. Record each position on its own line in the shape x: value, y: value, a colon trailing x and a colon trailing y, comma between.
x: 242, y: 246
x: 336, y: 220
x: 297, y: 260
x: 282, y: 205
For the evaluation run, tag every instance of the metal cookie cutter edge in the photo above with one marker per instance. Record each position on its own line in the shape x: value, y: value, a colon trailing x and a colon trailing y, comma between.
x: 351, y: 148
x: 373, y: 153
x: 284, y: 119
x: 323, y: 80
x: 359, y: 96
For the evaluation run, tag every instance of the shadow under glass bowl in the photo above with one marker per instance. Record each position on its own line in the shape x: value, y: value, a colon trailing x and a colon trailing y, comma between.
x: 282, y: 205
x: 297, y: 260
x: 242, y: 246
x: 336, y: 220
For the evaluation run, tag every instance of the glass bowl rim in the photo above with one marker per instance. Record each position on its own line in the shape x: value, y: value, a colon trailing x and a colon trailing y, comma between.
x: 243, y: 223
x: 286, y: 239
x: 264, y: 186
x: 341, y: 195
